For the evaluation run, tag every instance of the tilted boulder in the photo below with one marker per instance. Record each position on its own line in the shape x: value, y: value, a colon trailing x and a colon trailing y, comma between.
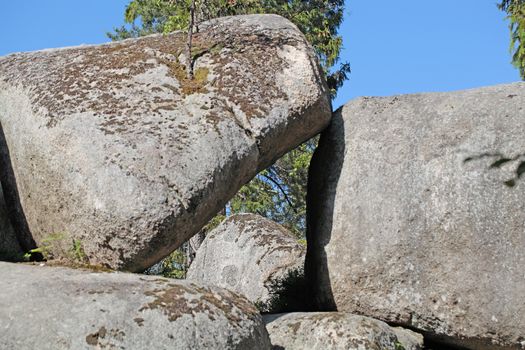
x: 113, y: 148
x: 59, y: 308
x: 337, y: 330
x: 253, y: 256
x: 416, y: 214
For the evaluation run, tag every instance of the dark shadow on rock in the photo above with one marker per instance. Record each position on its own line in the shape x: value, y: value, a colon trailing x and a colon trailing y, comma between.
x: 433, y: 345
x: 288, y: 293
x: 440, y: 342
x: 498, y: 160
x: 12, y: 197
x: 323, y: 176
x: 433, y: 341
x: 9, y: 248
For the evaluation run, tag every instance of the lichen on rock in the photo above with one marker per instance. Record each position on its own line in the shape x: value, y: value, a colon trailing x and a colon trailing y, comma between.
x: 255, y: 257
x: 52, y: 308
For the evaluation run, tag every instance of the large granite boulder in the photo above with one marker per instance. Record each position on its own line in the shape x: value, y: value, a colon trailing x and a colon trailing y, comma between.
x: 253, y: 256
x: 416, y: 214
x: 9, y: 246
x: 115, y: 150
x: 59, y: 308
x: 337, y: 330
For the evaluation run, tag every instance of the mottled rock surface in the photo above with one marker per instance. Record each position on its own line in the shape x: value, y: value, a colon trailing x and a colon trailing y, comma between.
x: 114, y: 149
x: 59, y: 308
x: 337, y: 330
x: 413, y: 218
x: 9, y: 246
x: 248, y: 254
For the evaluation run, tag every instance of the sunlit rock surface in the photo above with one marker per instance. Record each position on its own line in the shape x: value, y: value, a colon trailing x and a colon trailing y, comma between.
x: 417, y: 211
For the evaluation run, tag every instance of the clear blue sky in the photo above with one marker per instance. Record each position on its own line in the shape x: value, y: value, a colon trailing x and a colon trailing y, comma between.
x: 394, y: 47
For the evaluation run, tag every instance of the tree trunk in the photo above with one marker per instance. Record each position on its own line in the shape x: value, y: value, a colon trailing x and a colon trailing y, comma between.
x: 189, y: 59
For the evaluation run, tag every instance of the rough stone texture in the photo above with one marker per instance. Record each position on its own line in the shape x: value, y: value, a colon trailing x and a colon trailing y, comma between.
x: 59, y: 308
x: 9, y: 246
x: 337, y: 330
x: 112, y: 147
x: 408, y: 222
x: 247, y: 254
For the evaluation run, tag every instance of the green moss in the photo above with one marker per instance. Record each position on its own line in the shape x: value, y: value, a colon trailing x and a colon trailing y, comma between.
x: 197, y: 84
x: 217, y: 48
x: 189, y: 86
x: 198, y: 51
x: 76, y: 265
x: 72, y: 256
x: 201, y: 75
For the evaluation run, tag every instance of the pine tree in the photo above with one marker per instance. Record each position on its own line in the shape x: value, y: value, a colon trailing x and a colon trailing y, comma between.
x: 516, y: 14
x: 319, y: 20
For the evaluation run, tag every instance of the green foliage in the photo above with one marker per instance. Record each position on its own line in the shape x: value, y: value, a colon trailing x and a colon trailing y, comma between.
x: 145, y: 17
x: 44, y: 252
x: 515, y: 10
x: 33, y: 254
x: 153, y: 15
x: 77, y: 252
x: 213, y: 223
x: 279, y: 192
x: 398, y: 345
x: 173, y: 266
x: 287, y: 294
x: 176, y: 264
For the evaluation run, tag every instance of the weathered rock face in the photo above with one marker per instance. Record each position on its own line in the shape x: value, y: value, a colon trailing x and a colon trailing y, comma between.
x: 60, y: 308
x: 9, y: 247
x: 410, y: 220
x: 337, y: 330
x: 248, y: 254
x: 113, y: 148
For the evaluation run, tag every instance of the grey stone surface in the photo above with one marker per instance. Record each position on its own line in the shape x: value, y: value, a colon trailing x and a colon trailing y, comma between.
x: 247, y: 254
x: 410, y: 220
x: 112, y: 147
x: 59, y: 308
x: 9, y: 246
x: 337, y: 330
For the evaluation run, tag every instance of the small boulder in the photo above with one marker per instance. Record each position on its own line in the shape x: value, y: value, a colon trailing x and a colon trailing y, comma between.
x: 115, y: 150
x: 253, y: 256
x: 54, y: 308
x: 337, y: 330
x: 416, y: 214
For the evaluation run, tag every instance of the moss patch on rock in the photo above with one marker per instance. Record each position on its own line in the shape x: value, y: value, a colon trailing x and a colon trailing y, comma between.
x: 190, y: 86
